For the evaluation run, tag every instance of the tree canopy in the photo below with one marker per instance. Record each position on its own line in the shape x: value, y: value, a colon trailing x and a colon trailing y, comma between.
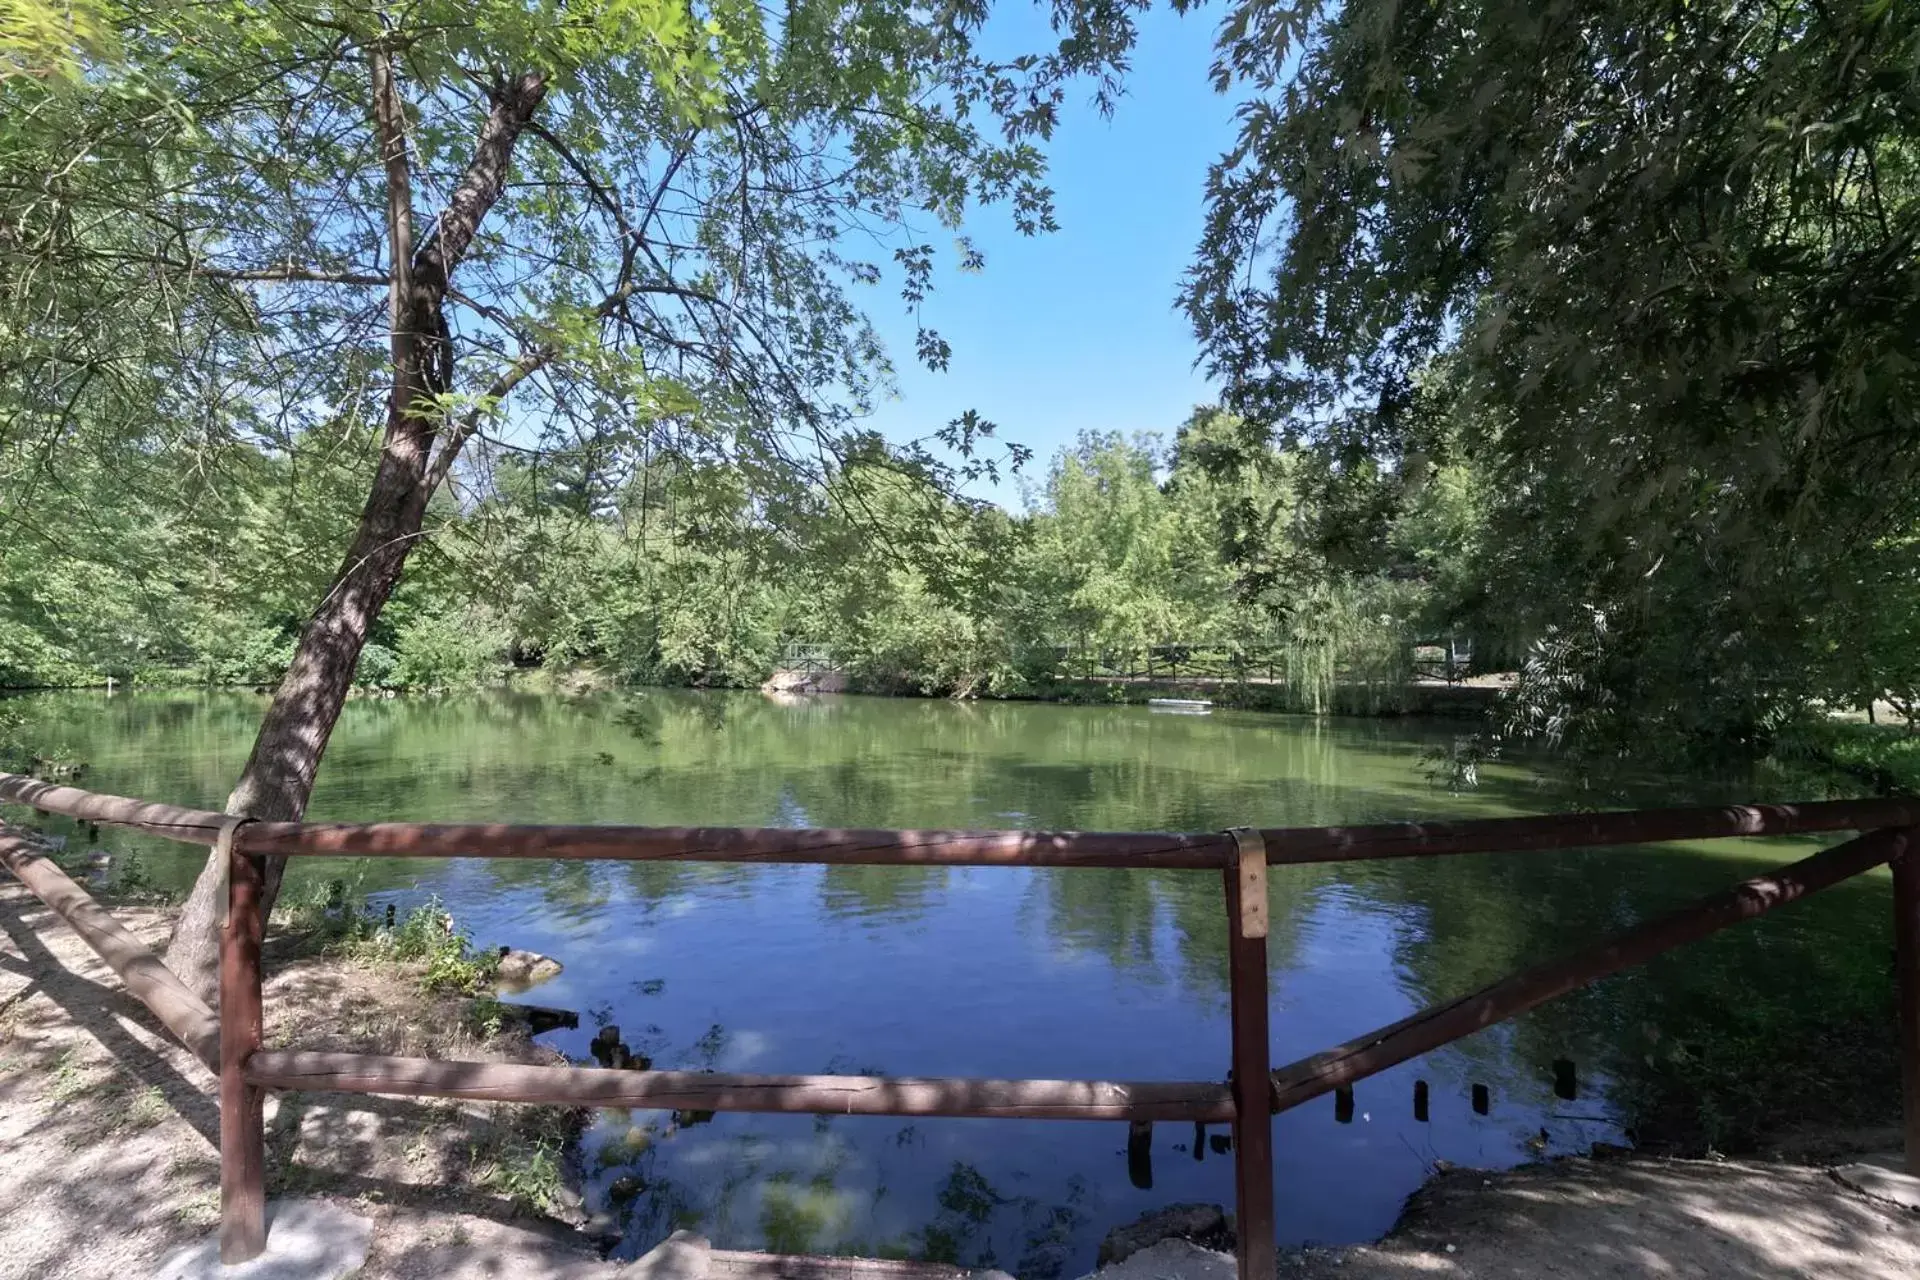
x: 1652, y: 266
x: 1581, y: 329
x: 675, y: 254
x: 511, y: 224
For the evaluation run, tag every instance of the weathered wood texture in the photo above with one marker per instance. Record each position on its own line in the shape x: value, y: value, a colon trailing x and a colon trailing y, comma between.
x: 1355, y: 1060
x: 195, y: 826
x: 243, y: 1163
x: 1246, y: 893
x: 1202, y: 851
x: 744, y: 844
x: 1906, y: 952
x: 1248, y: 908
x: 1073, y: 848
x: 151, y: 982
x: 729, y: 1265
x: 710, y: 1091
x: 1580, y: 830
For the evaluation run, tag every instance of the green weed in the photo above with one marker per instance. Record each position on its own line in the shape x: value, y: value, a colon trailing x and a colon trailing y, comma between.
x: 68, y: 1079
x: 486, y: 1016
x: 525, y: 1170
x: 426, y: 936
x: 146, y: 1108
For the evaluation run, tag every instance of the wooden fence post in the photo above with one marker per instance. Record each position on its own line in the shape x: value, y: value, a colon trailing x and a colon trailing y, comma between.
x: 1906, y: 959
x: 243, y: 1157
x: 1252, y: 1090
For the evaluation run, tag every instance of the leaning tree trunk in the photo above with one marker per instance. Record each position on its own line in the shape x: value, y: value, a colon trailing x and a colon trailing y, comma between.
x: 279, y: 775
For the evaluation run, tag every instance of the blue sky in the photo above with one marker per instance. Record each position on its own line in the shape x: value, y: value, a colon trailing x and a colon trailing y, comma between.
x: 1076, y: 330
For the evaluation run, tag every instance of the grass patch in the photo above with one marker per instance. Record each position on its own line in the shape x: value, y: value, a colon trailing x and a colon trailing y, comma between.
x: 199, y: 1211
x: 1762, y: 1071
x: 448, y: 962
x: 146, y: 1108
x: 1851, y: 758
x: 523, y: 1155
x: 68, y: 1078
x: 486, y: 1016
x: 525, y: 1170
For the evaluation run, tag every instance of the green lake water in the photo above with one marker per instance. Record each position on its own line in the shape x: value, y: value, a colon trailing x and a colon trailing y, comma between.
x: 1006, y: 972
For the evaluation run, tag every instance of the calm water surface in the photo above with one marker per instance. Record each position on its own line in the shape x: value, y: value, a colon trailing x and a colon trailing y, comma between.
x: 990, y: 972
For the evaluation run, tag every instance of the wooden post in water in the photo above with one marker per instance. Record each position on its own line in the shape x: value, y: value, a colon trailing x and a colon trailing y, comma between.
x: 1252, y: 1090
x: 1906, y: 959
x: 243, y: 1158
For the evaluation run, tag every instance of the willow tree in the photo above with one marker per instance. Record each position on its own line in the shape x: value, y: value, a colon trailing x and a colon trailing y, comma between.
x: 506, y: 224
x: 1667, y: 253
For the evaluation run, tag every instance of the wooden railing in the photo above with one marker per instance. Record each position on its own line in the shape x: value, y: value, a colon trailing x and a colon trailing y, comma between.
x: 1251, y: 1094
x: 1225, y: 661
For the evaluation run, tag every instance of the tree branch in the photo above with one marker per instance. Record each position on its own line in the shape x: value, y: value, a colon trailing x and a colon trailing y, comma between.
x: 292, y: 272
x: 519, y: 371
x: 480, y: 186
x: 390, y: 128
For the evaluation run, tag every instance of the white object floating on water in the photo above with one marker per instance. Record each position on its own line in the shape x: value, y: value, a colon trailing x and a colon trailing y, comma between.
x: 1191, y: 706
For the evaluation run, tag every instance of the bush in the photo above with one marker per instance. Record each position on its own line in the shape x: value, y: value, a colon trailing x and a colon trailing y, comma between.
x: 377, y: 666
x: 258, y: 655
x: 460, y: 648
x: 449, y: 963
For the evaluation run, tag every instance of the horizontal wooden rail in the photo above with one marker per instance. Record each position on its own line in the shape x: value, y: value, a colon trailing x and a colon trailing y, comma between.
x: 1204, y: 851
x: 1582, y: 830
x: 1431, y: 1028
x: 195, y: 826
x: 705, y: 1091
x: 1209, y: 851
x: 742, y: 844
x: 151, y: 982
x: 728, y: 1264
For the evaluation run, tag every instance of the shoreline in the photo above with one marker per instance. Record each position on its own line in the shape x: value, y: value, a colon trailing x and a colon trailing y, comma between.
x: 1579, y: 1217
x: 1419, y: 699
x: 115, y: 1128
x: 111, y: 1127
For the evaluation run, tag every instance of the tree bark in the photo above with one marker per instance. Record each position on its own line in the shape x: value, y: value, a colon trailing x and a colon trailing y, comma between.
x: 279, y: 775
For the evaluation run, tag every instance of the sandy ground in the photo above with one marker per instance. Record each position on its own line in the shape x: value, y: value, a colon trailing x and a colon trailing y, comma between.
x: 109, y: 1130
x: 1620, y: 1218
x: 108, y: 1159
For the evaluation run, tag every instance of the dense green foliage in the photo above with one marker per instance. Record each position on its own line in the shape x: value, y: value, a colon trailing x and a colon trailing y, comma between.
x: 1583, y: 331
x: 247, y: 255
x: 674, y: 575
x: 1650, y: 270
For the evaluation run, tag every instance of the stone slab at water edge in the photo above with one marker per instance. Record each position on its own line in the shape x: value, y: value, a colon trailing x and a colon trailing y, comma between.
x: 1579, y: 1218
x: 522, y: 969
x: 306, y: 1240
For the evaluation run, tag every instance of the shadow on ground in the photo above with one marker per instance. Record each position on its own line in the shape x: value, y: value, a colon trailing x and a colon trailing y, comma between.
x: 109, y: 1130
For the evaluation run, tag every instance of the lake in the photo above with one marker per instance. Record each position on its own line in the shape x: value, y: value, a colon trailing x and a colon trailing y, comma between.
x: 1007, y: 972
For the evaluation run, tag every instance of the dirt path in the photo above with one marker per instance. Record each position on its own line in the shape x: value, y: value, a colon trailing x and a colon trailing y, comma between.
x: 1619, y: 1218
x: 108, y: 1158
x: 109, y: 1130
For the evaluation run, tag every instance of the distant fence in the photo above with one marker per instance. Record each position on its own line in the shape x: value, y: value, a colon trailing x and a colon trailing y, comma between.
x: 1250, y: 1095
x: 1230, y: 662
x: 1237, y: 663
x: 1224, y: 661
x: 809, y: 660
